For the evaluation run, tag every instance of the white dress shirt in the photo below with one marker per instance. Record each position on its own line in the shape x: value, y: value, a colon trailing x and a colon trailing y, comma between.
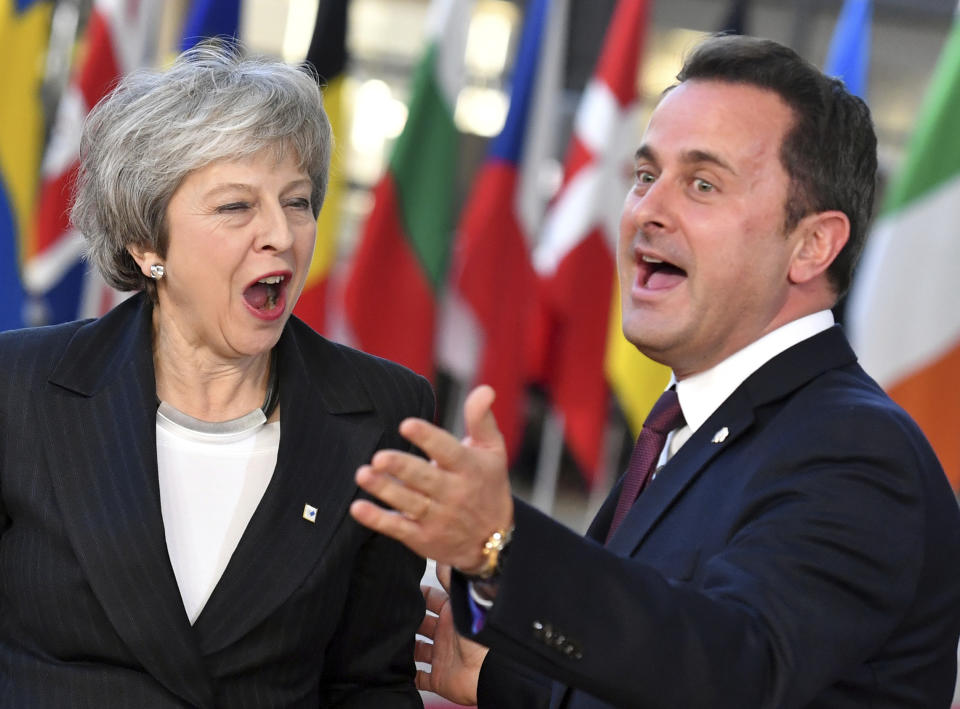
x: 702, y: 394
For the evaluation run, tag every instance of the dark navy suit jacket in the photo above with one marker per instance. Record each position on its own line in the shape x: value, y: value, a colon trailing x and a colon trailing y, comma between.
x: 802, y: 549
x: 305, y: 615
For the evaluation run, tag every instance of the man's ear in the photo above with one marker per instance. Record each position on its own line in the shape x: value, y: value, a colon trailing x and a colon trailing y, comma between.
x: 144, y: 258
x: 822, y: 236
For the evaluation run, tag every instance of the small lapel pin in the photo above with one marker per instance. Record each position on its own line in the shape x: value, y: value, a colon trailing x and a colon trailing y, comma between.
x: 721, y: 435
x: 310, y: 513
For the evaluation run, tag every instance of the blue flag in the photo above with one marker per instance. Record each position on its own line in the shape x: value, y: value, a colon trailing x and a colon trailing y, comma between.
x: 210, y: 18
x: 849, y: 55
x: 11, y: 291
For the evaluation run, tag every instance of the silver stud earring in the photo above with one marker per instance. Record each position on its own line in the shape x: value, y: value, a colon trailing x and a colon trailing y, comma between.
x: 157, y: 271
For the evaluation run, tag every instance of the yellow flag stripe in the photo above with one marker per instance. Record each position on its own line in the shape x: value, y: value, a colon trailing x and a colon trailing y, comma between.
x: 23, y: 44
x: 328, y: 223
x: 636, y: 380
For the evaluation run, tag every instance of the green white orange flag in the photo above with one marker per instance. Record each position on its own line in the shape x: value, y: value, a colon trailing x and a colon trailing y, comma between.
x: 903, y: 317
x: 401, y: 260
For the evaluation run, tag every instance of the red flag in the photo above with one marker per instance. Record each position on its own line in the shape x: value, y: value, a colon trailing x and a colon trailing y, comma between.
x: 575, y: 259
x: 492, y: 275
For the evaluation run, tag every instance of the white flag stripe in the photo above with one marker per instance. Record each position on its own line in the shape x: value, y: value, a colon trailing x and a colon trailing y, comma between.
x: 570, y: 219
x: 133, y: 34
x: 46, y: 269
x: 447, y: 24
x: 903, y: 312
x: 598, y: 115
x: 594, y: 196
x: 63, y: 148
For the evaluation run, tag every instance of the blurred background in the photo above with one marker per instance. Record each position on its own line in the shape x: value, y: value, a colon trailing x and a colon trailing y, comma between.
x: 483, y: 150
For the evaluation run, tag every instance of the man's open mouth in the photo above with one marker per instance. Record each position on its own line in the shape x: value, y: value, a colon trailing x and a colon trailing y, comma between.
x: 657, y: 274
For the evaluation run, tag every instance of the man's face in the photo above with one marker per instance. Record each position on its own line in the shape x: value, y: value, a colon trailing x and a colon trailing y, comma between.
x: 708, y: 202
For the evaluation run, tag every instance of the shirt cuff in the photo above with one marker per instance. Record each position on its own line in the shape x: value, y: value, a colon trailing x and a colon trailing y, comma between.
x: 479, y: 607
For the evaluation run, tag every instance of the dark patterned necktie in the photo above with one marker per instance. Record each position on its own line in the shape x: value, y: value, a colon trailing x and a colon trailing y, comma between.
x: 663, y: 418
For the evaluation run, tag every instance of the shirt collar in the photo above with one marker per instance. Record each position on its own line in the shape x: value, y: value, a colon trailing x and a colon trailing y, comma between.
x: 702, y: 394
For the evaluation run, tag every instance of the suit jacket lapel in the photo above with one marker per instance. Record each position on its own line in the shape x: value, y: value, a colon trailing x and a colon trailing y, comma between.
x: 780, y: 376
x: 100, y: 443
x: 328, y: 428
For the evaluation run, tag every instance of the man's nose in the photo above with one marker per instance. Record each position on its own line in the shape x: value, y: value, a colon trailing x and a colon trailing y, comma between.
x: 655, y: 208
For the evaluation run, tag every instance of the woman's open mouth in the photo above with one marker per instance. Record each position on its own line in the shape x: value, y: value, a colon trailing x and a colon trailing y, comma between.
x: 266, y: 297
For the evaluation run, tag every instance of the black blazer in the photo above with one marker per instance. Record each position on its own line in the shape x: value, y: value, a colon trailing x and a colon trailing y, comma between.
x: 305, y: 615
x: 800, y: 550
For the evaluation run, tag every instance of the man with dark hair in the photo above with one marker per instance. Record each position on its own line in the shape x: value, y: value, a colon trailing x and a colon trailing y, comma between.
x: 784, y: 536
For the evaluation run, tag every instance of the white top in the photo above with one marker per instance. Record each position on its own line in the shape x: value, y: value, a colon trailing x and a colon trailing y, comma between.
x: 702, y: 394
x: 210, y: 486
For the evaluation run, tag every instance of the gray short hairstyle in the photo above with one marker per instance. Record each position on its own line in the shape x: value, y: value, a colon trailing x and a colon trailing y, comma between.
x: 156, y: 127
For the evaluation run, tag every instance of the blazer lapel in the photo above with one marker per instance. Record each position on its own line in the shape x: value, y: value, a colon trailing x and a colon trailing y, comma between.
x: 100, y: 443
x: 678, y: 473
x: 783, y: 374
x: 328, y: 428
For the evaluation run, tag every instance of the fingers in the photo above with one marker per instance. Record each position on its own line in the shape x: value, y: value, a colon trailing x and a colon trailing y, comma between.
x: 392, y: 524
x: 438, y: 444
x: 443, y: 576
x: 442, y: 447
x: 396, y: 494
x: 433, y: 596
x: 424, y: 681
x: 479, y: 420
x: 428, y: 626
x: 423, y: 652
x: 413, y: 470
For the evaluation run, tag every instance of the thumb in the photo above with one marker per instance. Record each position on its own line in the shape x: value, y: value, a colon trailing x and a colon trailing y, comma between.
x: 478, y: 419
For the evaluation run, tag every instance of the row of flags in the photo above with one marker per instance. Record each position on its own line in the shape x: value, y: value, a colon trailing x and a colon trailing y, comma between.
x: 518, y: 287
x: 52, y: 283
x: 24, y: 29
x: 517, y: 290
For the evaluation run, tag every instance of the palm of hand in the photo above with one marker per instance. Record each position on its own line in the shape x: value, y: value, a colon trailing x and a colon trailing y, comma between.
x: 454, y: 661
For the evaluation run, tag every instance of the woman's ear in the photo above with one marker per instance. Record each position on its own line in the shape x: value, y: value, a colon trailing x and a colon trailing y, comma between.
x: 144, y: 258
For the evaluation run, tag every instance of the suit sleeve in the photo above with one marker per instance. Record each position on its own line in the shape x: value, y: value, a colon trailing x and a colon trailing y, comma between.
x: 508, y: 685
x: 370, y: 661
x: 815, y: 568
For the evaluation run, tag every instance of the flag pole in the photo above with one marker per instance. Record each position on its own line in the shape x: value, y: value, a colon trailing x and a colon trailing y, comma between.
x: 545, y: 479
x: 610, y: 466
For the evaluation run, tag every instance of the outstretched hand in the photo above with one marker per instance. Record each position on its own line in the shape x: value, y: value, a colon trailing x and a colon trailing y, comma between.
x: 444, y: 509
x: 454, y: 661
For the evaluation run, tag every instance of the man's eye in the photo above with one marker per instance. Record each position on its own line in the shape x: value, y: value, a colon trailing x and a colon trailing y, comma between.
x: 702, y: 185
x: 645, y: 177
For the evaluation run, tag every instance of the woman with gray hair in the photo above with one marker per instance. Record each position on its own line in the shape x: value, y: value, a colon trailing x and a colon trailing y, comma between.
x: 175, y: 476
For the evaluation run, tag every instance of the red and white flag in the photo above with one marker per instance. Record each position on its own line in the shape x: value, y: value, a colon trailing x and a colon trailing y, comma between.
x: 120, y: 37
x: 575, y: 259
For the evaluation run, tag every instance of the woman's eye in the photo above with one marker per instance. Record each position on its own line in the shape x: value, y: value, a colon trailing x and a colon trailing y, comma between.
x: 232, y: 207
x: 299, y: 203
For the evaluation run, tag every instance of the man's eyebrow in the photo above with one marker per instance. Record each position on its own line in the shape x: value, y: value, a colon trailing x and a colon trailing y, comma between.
x: 701, y: 156
x: 645, y: 152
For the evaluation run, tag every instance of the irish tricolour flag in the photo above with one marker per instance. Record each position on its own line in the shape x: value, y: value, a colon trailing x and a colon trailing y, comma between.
x: 904, y: 312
